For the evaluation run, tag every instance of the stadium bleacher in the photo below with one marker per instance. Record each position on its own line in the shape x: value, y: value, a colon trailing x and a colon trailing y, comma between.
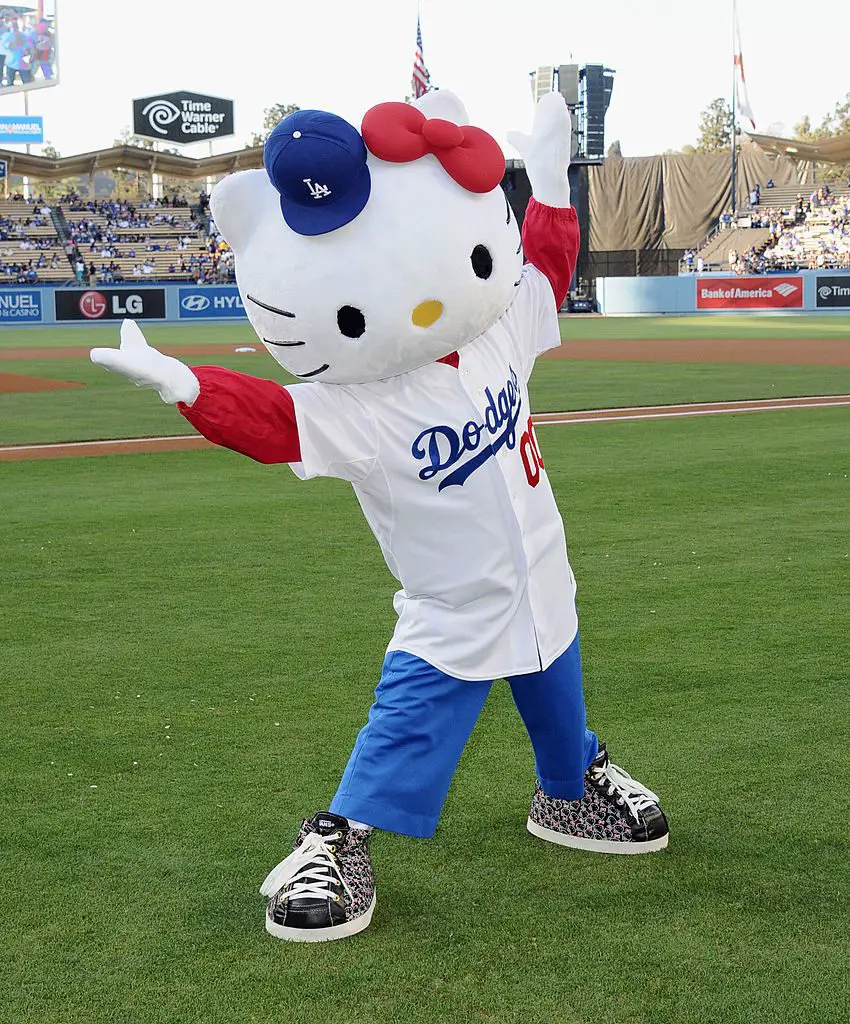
x: 113, y: 241
x: 30, y: 249
x: 787, y: 230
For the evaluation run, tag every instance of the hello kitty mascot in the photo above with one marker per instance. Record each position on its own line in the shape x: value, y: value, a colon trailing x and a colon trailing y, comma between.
x: 385, y: 269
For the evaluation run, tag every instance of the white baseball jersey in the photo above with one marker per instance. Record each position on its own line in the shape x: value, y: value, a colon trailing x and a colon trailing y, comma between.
x: 447, y: 470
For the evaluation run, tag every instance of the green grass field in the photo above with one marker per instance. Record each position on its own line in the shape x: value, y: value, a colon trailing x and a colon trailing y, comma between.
x: 188, y: 645
x: 107, y: 407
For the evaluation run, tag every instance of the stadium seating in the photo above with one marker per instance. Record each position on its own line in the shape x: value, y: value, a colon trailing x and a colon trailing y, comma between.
x: 148, y: 241
x: 153, y: 243
x: 787, y: 230
x: 817, y: 237
x: 29, y: 242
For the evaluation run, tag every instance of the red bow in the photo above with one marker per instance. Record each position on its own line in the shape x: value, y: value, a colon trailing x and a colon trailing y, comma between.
x: 399, y: 132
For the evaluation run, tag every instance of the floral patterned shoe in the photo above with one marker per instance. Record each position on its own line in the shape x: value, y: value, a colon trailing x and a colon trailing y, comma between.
x: 616, y: 814
x: 324, y: 889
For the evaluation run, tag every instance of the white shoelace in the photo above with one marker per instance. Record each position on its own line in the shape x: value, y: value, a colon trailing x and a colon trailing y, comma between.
x: 630, y: 792
x: 311, y: 871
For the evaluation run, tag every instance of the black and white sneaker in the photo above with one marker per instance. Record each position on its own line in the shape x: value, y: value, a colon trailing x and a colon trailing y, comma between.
x: 616, y: 815
x: 324, y: 889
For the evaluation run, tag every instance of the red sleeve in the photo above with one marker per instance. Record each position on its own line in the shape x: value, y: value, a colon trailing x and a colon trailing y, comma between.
x: 550, y: 240
x: 252, y: 416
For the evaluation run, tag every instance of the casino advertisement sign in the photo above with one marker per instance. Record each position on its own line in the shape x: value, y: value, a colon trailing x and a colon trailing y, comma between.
x: 750, y: 292
x: 110, y: 303
x: 182, y: 117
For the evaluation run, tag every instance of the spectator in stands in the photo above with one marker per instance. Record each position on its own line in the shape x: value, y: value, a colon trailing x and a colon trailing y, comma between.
x: 79, y: 270
x: 18, y: 51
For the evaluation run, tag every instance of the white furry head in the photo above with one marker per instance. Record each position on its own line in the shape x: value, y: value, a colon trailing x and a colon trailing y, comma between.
x: 424, y: 268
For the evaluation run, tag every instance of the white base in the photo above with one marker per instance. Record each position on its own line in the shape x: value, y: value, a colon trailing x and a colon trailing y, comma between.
x: 595, y: 845
x: 339, y: 931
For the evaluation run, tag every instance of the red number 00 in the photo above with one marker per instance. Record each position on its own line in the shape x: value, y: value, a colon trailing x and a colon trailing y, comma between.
x: 532, y: 460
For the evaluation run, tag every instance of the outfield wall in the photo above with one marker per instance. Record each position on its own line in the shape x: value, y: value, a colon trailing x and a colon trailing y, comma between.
x: 809, y: 291
x: 806, y: 292
x: 21, y: 305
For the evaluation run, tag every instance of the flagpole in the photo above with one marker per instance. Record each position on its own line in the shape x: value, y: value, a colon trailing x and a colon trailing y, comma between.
x: 734, y: 183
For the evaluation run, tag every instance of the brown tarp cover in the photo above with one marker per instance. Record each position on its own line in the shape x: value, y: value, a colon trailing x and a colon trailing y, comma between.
x: 672, y: 201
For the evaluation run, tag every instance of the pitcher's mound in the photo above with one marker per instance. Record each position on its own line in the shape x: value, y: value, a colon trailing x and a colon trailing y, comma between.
x: 13, y: 382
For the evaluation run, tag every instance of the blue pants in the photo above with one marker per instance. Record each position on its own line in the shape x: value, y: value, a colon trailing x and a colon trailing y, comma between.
x: 399, y: 772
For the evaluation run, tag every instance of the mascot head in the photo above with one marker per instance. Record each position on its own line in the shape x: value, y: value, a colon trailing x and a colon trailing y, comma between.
x: 362, y: 255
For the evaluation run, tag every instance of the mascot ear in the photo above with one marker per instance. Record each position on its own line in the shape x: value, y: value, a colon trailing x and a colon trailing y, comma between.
x: 443, y: 104
x: 240, y: 202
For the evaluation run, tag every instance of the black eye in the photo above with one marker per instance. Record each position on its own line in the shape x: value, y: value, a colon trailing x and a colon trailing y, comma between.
x: 482, y: 262
x: 351, y: 321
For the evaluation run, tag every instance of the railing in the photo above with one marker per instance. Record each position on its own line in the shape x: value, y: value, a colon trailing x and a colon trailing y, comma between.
x: 60, y: 223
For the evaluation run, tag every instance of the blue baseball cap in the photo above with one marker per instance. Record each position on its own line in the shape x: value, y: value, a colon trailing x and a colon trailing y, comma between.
x: 317, y: 162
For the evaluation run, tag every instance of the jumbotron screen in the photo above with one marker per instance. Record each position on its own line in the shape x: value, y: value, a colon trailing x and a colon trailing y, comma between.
x: 28, y: 57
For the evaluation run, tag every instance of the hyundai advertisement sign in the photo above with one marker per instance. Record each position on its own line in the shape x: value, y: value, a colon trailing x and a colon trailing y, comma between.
x: 209, y: 302
x: 20, y: 306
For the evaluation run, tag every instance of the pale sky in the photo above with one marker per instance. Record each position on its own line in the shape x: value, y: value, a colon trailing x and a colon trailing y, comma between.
x: 671, y: 58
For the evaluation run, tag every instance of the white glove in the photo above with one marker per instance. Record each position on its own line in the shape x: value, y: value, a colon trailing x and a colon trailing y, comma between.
x: 546, y: 152
x: 148, y: 368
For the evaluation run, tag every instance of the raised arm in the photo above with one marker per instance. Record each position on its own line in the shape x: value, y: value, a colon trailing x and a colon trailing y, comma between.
x: 550, y: 242
x: 550, y: 232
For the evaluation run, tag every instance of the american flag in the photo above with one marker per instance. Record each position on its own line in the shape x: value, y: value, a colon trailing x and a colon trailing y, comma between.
x: 421, y: 78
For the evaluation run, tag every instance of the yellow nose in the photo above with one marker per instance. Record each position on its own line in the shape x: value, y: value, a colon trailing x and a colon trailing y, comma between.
x: 427, y: 313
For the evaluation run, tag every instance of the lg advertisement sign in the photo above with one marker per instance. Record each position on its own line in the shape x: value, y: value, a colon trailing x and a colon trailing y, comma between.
x: 182, y: 117
x: 110, y: 304
x: 750, y: 293
x: 833, y: 292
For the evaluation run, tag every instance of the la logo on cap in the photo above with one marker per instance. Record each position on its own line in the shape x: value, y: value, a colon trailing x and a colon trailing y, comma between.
x: 316, y: 191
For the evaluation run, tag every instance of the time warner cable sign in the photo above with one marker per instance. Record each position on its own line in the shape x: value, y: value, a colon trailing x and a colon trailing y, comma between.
x: 833, y: 292
x: 210, y: 302
x: 182, y: 117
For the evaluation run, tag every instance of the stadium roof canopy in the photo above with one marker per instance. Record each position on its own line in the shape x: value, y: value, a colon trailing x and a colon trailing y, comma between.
x: 835, y: 150
x: 131, y: 158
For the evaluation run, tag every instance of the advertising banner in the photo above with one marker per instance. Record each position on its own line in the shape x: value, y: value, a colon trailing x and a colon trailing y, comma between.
x: 210, y: 301
x: 110, y: 303
x: 749, y: 292
x: 182, y: 117
x: 20, y: 306
x: 833, y: 292
x: 16, y: 131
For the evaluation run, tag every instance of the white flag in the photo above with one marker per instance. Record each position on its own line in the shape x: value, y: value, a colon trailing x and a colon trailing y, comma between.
x: 740, y: 81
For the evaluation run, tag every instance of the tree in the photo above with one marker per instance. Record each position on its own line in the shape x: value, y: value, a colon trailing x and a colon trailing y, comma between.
x: 715, y: 127
x: 272, y: 116
x: 836, y: 122
x: 127, y: 138
x: 53, y: 190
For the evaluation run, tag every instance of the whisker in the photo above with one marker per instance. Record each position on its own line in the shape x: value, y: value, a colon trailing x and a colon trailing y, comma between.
x: 271, y: 309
